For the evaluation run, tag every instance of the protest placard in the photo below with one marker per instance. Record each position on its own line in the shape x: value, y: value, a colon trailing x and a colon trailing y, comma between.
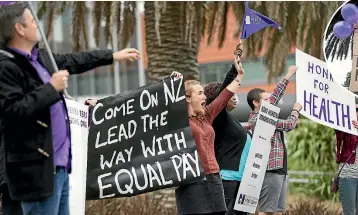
x: 256, y: 164
x: 323, y: 100
x: 78, y: 119
x: 140, y: 141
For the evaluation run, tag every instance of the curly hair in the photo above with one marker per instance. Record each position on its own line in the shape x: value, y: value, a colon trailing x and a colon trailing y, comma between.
x: 211, y: 91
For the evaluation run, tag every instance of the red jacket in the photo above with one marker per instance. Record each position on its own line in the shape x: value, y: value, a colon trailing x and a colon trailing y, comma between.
x: 346, y: 145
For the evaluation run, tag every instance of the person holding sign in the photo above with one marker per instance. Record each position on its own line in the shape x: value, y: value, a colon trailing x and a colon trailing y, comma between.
x: 232, y: 140
x: 274, y: 188
x: 35, y: 119
x: 207, y: 195
x: 347, y: 176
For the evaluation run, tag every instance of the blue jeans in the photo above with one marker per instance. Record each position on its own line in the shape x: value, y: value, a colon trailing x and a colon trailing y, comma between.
x: 348, y: 192
x: 57, y: 204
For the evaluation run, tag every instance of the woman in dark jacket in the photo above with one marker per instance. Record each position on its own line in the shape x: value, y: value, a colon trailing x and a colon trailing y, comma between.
x: 348, y: 164
x: 232, y: 140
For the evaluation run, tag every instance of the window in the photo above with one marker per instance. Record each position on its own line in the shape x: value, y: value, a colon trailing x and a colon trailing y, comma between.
x: 103, y: 80
x: 255, y: 71
x: 83, y: 84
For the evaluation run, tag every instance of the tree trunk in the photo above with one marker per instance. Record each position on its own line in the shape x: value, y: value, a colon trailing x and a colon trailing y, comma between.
x: 174, y: 52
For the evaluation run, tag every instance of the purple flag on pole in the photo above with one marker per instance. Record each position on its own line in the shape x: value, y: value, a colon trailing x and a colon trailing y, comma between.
x: 4, y: 3
x: 254, y: 21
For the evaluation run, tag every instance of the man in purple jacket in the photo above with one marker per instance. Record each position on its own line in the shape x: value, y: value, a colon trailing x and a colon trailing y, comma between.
x: 36, y: 134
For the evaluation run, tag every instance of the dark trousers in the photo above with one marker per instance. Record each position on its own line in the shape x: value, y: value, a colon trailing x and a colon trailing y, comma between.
x: 9, y: 206
x: 230, y: 191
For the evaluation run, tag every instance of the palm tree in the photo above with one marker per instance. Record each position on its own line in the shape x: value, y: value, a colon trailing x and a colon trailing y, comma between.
x: 174, y: 29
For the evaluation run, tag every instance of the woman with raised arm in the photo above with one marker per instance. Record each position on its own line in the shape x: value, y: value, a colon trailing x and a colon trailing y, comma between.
x: 232, y: 140
x: 207, y: 195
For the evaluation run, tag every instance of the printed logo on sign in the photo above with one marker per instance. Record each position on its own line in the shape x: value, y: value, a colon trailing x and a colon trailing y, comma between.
x: 247, y: 200
x: 253, y: 20
x: 247, y: 20
x: 241, y: 199
x: 250, y: 200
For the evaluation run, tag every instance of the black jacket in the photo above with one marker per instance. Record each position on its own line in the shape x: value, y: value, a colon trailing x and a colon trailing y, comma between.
x: 230, y: 135
x: 2, y: 162
x: 25, y: 110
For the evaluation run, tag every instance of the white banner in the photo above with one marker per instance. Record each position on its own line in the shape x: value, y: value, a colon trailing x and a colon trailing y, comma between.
x: 78, y: 116
x: 323, y: 100
x: 256, y: 164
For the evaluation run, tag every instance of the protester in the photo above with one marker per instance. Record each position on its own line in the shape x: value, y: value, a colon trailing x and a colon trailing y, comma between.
x: 274, y: 188
x: 36, y: 129
x: 347, y: 158
x: 232, y: 141
x: 205, y: 196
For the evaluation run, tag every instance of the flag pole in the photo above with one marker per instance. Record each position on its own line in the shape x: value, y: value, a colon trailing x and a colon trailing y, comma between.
x: 141, y: 73
x: 47, y: 47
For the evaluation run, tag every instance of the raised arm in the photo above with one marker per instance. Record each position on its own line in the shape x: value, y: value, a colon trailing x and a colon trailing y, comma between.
x: 76, y: 63
x: 280, y: 88
x: 214, y: 108
x: 79, y: 62
x: 291, y: 121
x: 231, y: 75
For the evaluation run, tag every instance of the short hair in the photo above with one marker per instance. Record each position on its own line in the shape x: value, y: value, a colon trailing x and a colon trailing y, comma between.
x: 211, y: 91
x: 9, y: 16
x: 188, y: 84
x: 254, y: 95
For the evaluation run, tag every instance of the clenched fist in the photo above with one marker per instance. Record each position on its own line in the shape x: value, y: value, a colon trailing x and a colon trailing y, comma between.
x: 291, y: 71
x: 59, y: 80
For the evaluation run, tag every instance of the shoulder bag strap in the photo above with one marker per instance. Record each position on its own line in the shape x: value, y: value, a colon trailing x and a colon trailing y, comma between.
x: 340, y: 170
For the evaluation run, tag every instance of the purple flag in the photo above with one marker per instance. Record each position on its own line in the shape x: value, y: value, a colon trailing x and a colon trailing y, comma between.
x: 254, y: 21
x: 4, y: 3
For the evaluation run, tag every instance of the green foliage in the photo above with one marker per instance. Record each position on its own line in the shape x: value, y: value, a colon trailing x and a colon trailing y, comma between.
x: 311, y: 147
